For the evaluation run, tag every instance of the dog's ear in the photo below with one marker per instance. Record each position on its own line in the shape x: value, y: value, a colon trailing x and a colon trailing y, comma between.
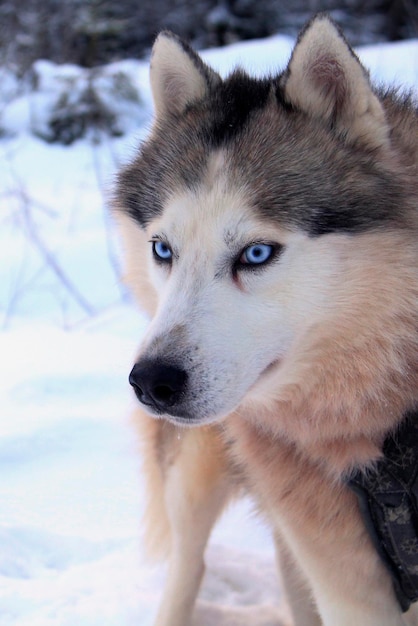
x: 326, y: 80
x: 178, y: 75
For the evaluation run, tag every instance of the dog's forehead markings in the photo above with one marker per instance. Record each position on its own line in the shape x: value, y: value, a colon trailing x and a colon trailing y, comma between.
x: 214, y: 214
x: 215, y: 169
x: 203, y: 220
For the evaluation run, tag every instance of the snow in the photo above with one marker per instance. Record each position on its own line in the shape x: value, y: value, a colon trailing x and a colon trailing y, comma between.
x: 70, y: 482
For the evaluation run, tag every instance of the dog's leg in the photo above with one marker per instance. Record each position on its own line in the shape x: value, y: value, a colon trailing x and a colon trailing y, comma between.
x: 319, y: 519
x: 192, y: 519
x: 350, y: 584
x: 344, y: 613
x: 194, y: 488
x: 296, y: 587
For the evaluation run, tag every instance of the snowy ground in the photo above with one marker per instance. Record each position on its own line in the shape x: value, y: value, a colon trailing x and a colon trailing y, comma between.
x: 70, y: 485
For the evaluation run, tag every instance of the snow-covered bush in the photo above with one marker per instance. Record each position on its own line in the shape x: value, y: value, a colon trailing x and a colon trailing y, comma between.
x: 9, y: 90
x: 62, y: 103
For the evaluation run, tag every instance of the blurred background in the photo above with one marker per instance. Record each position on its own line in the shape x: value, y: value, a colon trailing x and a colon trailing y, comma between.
x: 94, y: 32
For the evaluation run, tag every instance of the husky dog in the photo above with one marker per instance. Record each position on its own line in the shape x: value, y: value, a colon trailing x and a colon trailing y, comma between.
x: 270, y: 229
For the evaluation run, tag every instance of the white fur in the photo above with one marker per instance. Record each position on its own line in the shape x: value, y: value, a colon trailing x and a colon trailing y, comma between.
x: 272, y: 306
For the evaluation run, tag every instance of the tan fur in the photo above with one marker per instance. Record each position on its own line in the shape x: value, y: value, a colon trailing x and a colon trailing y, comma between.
x: 189, y: 482
x: 346, y: 368
x: 326, y: 80
x: 174, y: 81
x: 318, y: 519
x: 135, y: 275
x: 343, y: 418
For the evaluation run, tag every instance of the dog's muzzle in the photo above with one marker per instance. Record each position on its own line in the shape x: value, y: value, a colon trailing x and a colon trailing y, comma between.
x: 158, y: 385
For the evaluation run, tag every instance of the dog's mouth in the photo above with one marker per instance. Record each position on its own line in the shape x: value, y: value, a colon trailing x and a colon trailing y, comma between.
x: 273, y: 365
x: 168, y: 398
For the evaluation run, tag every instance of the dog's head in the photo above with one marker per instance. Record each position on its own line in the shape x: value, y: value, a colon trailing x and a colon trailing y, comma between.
x: 253, y: 220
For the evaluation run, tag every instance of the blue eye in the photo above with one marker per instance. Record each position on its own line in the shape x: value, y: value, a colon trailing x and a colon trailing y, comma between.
x: 162, y: 251
x: 257, y: 254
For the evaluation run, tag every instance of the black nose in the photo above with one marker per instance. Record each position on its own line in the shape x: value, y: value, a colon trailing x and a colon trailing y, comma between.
x: 158, y: 385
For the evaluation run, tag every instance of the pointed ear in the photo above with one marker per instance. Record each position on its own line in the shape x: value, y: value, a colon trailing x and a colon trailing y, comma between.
x: 178, y: 75
x: 325, y: 79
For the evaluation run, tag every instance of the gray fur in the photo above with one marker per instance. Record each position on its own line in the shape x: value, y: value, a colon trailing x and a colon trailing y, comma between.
x: 298, y: 170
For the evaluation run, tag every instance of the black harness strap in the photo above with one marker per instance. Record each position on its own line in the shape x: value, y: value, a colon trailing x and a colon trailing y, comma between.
x: 388, y: 502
